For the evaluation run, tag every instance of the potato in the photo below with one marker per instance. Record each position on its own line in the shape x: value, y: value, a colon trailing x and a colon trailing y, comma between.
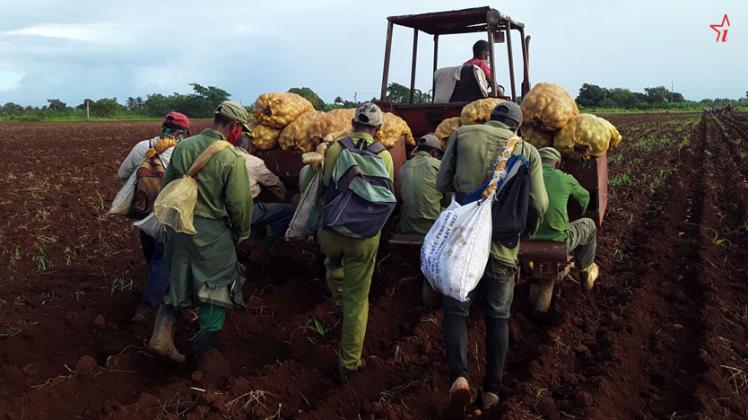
x: 479, y: 111
x: 537, y: 136
x: 548, y: 106
x: 394, y: 127
x: 586, y: 136
x: 264, y: 137
x: 279, y: 109
x: 446, y: 128
x: 335, y: 120
x: 296, y: 135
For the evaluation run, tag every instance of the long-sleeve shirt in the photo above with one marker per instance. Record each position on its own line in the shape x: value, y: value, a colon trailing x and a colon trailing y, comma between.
x: 137, y: 155
x: 421, y: 201
x: 223, y: 184
x: 469, y: 159
x: 261, y: 177
x: 561, y: 187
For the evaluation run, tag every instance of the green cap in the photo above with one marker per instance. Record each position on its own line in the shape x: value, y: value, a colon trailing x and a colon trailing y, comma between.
x: 369, y: 114
x: 234, y: 111
x: 550, y: 153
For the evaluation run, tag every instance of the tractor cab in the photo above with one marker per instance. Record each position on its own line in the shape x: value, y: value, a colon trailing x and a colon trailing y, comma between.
x: 467, y: 82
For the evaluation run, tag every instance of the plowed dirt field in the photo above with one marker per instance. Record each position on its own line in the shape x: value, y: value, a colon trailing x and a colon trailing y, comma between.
x: 663, y: 335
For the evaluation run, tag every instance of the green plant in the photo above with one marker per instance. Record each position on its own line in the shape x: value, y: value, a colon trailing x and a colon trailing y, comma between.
x: 41, y: 260
x: 720, y: 241
x: 620, y: 179
x: 317, y: 326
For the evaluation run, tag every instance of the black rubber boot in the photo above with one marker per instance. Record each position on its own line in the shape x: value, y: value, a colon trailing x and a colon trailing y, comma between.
x: 162, y: 340
x: 205, y: 341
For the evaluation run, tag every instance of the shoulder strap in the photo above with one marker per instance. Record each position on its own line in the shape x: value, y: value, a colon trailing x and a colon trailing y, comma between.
x: 376, y: 148
x: 347, y: 143
x: 500, y: 170
x: 205, y: 156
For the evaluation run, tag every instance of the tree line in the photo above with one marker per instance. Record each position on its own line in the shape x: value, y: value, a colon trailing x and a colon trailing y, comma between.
x: 659, y: 97
x: 201, y: 102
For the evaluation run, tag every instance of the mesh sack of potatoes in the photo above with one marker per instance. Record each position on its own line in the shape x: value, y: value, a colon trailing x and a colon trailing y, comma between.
x: 394, y: 127
x: 615, y: 137
x: 446, y: 128
x: 296, y: 135
x: 537, y: 136
x: 279, y: 109
x: 479, y: 111
x: 548, y: 106
x: 585, y: 136
x: 330, y: 122
x: 263, y: 137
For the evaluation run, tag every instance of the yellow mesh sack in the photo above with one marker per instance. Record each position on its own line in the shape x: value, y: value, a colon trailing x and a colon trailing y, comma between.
x: 264, y: 137
x: 175, y: 204
x: 479, y: 111
x: 394, y: 127
x: 278, y: 109
x: 296, y: 135
x: 548, y: 106
x: 335, y: 120
x: 586, y: 136
x: 446, y: 128
x: 537, y: 136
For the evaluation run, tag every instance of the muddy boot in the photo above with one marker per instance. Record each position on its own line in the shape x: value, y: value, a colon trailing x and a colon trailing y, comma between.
x: 162, y: 340
x: 205, y: 341
x: 489, y: 400
x: 459, y: 398
x: 589, y: 275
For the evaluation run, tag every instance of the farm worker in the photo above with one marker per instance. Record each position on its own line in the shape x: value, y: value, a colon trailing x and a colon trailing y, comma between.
x: 204, y: 266
x: 468, y: 160
x: 174, y: 127
x: 349, y: 261
x: 276, y: 215
x: 480, y: 58
x: 421, y: 201
x: 580, y: 235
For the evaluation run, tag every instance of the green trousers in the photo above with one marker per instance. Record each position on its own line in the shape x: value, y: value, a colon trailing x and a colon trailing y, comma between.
x: 211, y: 317
x: 349, y: 265
x: 582, y: 241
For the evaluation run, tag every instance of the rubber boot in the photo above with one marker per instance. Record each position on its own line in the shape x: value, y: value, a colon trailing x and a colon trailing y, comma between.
x: 205, y: 341
x: 162, y: 340
x: 589, y: 275
x: 459, y: 398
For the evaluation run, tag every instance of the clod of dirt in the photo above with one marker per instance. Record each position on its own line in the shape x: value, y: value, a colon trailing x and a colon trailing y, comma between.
x: 546, y: 406
x: 214, y: 366
x: 583, y: 399
x: 86, y: 367
x: 378, y: 410
x: 583, y: 351
x: 99, y: 321
x: 72, y: 319
x: 146, y: 402
x: 477, y: 413
x: 197, y: 376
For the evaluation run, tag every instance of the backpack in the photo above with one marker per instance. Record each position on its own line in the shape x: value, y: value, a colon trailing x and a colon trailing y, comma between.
x: 511, y: 201
x: 361, y: 196
x: 148, y: 178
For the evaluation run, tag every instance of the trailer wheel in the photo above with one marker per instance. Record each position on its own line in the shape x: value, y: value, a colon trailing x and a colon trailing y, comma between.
x: 541, y: 294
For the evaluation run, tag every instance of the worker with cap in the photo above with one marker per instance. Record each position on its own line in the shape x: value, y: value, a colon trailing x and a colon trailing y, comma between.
x: 349, y: 261
x: 422, y: 203
x: 580, y: 235
x: 204, y: 266
x: 174, y: 127
x: 469, y: 159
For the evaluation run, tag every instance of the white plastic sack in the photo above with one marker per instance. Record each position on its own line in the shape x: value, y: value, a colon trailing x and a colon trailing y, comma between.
x: 306, y: 217
x: 123, y: 200
x: 152, y: 227
x: 455, y: 251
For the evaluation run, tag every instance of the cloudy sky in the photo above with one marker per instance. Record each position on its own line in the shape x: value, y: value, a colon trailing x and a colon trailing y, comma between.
x: 83, y: 48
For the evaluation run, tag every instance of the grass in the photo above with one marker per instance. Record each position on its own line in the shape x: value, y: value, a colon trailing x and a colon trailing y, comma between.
x: 620, y: 179
x: 42, y: 262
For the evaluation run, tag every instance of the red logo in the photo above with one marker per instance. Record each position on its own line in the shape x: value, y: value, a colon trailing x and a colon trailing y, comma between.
x: 721, y: 29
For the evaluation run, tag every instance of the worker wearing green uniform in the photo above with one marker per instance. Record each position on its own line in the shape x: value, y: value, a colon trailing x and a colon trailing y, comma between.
x: 421, y: 201
x: 204, y: 267
x: 580, y: 235
x: 468, y: 161
x: 349, y: 261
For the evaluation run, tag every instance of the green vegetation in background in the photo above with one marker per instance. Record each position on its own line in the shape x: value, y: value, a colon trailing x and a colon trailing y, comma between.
x: 592, y: 97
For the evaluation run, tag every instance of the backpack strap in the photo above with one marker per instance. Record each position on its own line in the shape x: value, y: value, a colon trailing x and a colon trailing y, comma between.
x: 500, y: 171
x: 347, y: 143
x: 205, y: 156
x: 376, y: 148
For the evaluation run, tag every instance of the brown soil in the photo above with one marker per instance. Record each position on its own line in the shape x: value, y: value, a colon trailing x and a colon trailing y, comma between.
x: 663, y: 335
